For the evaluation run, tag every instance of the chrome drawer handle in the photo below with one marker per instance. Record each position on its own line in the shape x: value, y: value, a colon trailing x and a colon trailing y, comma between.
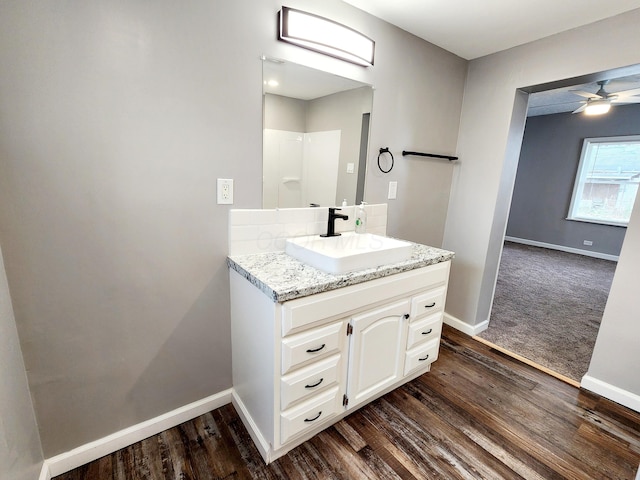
x: 315, y: 384
x: 428, y: 331
x: 314, y: 350
x: 429, y: 306
x: 423, y: 359
x: 314, y: 418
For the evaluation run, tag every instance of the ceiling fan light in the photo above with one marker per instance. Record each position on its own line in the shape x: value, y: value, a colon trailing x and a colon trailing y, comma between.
x: 597, y: 107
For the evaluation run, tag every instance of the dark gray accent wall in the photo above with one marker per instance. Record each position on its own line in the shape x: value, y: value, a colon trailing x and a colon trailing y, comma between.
x: 546, y: 174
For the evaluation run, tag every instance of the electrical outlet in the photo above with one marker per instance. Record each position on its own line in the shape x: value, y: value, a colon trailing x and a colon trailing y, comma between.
x: 225, y: 191
x: 588, y: 243
x: 393, y: 190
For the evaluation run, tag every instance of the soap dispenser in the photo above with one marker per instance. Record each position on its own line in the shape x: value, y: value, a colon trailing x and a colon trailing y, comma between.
x: 361, y: 218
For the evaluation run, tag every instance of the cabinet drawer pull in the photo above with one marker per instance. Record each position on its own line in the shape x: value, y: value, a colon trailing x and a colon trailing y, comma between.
x: 430, y: 306
x: 406, y: 316
x: 423, y: 359
x: 314, y: 350
x: 314, y: 418
x: 315, y: 384
x: 428, y: 331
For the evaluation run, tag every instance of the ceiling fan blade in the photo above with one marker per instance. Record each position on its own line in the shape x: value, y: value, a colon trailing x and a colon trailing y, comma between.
x: 580, y: 109
x: 627, y: 93
x: 622, y: 101
x: 585, y: 94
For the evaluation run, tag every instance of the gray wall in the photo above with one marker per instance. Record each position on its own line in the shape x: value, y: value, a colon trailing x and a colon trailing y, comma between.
x: 489, y: 150
x: 20, y: 452
x: 616, y: 358
x: 284, y: 113
x: 546, y: 173
x: 116, y: 118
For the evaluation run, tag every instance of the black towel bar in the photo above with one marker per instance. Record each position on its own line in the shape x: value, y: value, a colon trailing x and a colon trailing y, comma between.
x: 420, y: 154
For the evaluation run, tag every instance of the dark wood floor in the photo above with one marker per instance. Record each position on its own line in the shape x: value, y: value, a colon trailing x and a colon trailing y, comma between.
x: 477, y: 414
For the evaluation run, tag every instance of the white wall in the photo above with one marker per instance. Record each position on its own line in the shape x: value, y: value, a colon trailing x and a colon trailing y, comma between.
x: 487, y: 145
x: 20, y: 452
x: 116, y: 118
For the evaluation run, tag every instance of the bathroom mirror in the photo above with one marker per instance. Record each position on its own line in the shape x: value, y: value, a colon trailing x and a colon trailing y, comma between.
x: 316, y: 135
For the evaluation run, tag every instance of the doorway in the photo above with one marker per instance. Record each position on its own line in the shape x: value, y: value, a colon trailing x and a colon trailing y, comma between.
x: 543, y: 188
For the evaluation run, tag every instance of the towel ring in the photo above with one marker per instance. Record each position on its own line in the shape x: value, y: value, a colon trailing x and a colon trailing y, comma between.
x: 385, y: 150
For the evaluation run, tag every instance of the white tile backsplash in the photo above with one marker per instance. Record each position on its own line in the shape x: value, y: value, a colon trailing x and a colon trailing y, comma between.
x: 260, y: 231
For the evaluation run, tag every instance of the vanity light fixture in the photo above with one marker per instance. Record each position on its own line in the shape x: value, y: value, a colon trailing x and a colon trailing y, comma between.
x: 325, y: 36
x: 597, y: 107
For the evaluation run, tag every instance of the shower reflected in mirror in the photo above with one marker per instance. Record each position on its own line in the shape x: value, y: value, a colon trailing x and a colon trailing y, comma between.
x: 316, y: 131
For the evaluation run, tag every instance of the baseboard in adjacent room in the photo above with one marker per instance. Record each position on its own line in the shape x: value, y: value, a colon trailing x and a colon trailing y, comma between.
x: 616, y: 394
x: 464, y: 327
x: 99, y: 448
x: 562, y: 248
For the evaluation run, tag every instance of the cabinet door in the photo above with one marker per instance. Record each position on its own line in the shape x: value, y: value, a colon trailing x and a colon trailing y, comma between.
x: 377, y: 350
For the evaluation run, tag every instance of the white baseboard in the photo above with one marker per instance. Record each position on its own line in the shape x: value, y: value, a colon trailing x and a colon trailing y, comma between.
x: 618, y: 395
x: 45, y: 474
x: 99, y: 448
x: 464, y: 327
x: 254, y: 432
x: 562, y: 248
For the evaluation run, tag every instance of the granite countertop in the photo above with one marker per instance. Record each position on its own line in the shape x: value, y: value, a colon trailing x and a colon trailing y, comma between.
x: 282, y: 277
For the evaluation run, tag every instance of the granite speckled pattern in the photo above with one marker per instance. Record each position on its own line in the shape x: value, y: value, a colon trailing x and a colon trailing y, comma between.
x: 283, y: 278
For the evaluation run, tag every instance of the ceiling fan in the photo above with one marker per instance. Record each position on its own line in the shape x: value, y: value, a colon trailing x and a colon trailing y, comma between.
x: 601, y: 101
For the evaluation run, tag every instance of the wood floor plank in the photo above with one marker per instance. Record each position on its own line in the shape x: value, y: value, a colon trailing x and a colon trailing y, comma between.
x: 521, y: 423
x: 394, y: 457
x: 478, y: 414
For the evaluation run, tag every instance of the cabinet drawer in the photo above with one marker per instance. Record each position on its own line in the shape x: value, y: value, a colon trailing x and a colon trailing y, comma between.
x: 313, y: 345
x: 308, y: 381
x: 421, y: 356
x: 427, y: 303
x: 329, y: 306
x: 424, y: 330
x: 310, y: 414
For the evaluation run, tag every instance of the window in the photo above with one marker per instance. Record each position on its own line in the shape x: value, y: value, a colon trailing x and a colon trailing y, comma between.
x: 607, y: 180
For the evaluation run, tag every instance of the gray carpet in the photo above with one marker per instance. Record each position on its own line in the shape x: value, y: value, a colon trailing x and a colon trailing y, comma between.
x: 548, y: 306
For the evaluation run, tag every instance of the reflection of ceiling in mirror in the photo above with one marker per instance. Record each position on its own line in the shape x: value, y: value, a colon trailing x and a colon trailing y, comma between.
x: 304, y: 83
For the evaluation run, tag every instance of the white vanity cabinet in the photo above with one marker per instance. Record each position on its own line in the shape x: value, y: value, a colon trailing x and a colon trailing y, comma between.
x: 303, y: 364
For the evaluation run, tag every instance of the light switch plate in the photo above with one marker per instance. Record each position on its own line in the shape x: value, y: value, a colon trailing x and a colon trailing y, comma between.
x: 393, y: 190
x: 225, y: 191
x: 351, y: 167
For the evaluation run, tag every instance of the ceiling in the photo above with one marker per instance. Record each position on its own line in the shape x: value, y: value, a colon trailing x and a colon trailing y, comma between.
x: 562, y: 100
x: 472, y: 28
x: 304, y: 83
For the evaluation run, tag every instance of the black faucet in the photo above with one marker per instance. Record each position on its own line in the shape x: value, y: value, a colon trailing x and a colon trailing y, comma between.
x: 331, y: 223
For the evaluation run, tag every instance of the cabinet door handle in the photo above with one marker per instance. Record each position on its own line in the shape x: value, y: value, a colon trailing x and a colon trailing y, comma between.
x: 314, y: 350
x: 315, y: 384
x: 406, y: 316
x: 423, y: 359
x: 314, y: 418
x: 430, y: 306
x: 428, y: 331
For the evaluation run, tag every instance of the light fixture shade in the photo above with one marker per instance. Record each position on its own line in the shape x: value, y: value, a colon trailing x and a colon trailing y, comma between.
x: 597, y: 107
x: 325, y: 36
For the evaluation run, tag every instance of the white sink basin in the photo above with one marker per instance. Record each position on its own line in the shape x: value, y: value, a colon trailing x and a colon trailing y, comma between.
x: 349, y: 252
